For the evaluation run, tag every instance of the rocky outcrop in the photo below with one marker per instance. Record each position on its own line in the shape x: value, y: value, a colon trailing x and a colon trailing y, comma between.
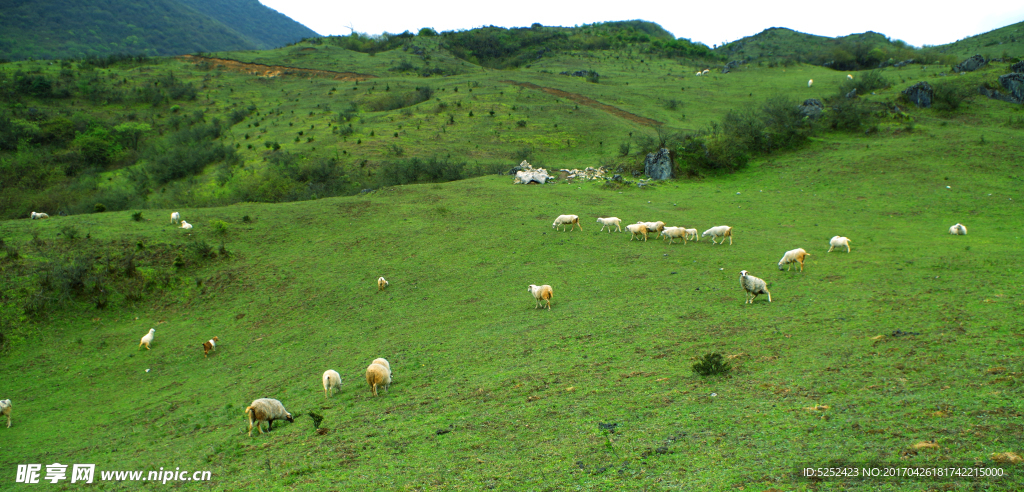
x: 1018, y: 67
x: 903, y: 63
x: 920, y: 94
x: 971, y: 64
x: 579, y: 73
x: 527, y: 174
x: 658, y: 165
x: 1013, y: 83
x: 811, y: 108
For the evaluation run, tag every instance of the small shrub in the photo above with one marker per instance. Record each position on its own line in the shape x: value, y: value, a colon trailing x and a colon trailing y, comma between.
x: 222, y: 250
x: 69, y: 232
x: 137, y: 216
x: 201, y: 249
x: 316, y: 418
x: 219, y: 227
x: 624, y: 148
x: 246, y: 219
x: 100, y: 208
x: 948, y: 95
x: 179, y: 261
x: 521, y: 123
x: 711, y: 365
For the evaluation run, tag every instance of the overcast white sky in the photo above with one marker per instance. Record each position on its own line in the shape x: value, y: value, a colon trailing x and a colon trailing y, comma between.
x: 710, y: 22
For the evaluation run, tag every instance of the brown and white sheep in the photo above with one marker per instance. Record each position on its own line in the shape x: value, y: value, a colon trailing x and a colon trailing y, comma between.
x: 378, y: 375
x: 567, y: 220
x: 636, y: 230
x: 794, y: 256
x: 541, y: 293
x: 266, y: 410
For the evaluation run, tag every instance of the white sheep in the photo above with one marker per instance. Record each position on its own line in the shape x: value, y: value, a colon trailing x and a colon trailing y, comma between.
x: 542, y: 293
x: 378, y: 375
x: 609, y: 222
x: 849, y: 77
x: 794, y: 256
x: 39, y: 215
x: 719, y: 231
x: 636, y: 230
x: 672, y: 233
x: 839, y: 242
x: 700, y: 73
x: 654, y: 227
x: 691, y: 234
x: 381, y: 283
x: 266, y: 410
x: 810, y: 82
x: 147, y: 338
x: 754, y: 286
x: 332, y: 380
x: 571, y: 220
x: 175, y: 217
x: 385, y: 363
x: 185, y: 225
x: 5, y: 409
x: 958, y: 229
x: 706, y: 71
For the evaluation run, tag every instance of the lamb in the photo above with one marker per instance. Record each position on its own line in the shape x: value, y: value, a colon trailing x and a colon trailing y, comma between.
x: 572, y: 220
x: 654, y: 227
x: 381, y: 283
x: 378, y: 375
x: 147, y: 339
x: 385, y: 363
x: 637, y: 229
x: 794, y: 256
x: 692, y: 234
x: 209, y: 345
x: 39, y: 215
x: 719, y: 231
x: 185, y: 225
x: 266, y: 410
x: 543, y: 292
x: 839, y: 242
x: 175, y: 217
x: 810, y: 82
x: 958, y: 229
x: 609, y: 222
x: 332, y: 380
x: 754, y: 286
x: 5, y: 409
x: 674, y: 232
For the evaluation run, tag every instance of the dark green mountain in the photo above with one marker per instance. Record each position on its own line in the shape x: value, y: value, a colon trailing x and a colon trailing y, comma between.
x: 65, y: 29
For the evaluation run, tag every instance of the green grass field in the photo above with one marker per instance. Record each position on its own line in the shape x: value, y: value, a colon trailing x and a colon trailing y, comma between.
x: 913, y: 337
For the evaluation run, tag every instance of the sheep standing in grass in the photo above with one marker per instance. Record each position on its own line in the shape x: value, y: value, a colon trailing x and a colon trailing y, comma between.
x: 563, y: 220
x: 39, y: 215
x: 839, y: 242
x: 332, y: 380
x: 175, y: 217
x: 385, y: 363
x: 849, y: 77
x: 706, y: 71
x: 541, y: 293
x: 185, y: 225
x: 378, y: 375
x: 266, y: 410
x: 609, y: 222
x: 719, y: 231
x: 673, y: 233
x: 381, y: 283
x: 636, y: 230
x: 148, y: 338
x: 794, y: 256
x: 810, y: 82
x: 754, y: 286
x: 691, y: 234
x: 958, y: 229
x: 5, y: 409
x: 654, y: 227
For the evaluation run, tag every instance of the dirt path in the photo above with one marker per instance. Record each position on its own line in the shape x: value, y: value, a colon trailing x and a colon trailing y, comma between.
x: 275, y: 70
x: 612, y: 110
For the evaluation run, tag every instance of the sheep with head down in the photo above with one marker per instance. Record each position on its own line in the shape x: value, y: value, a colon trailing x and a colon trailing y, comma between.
x: 266, y: 410
x: 573, y: 221
x: 378, y: 375
x: 5, y: 410
x: 332, y: 381
x: 958, y: 229
x: 794, y: 256
x: 839, y: 242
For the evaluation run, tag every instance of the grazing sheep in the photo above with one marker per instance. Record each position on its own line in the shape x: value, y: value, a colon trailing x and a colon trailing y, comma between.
x: 849, y: 77
x: 719, y: 231
x: 175, y: 217
x: 706, y: 71
x: 332, y: 380
x: 958, y: 229
x: 148, y: 338
x: 39, y: 215
x: 378, y: 375
x: 700, y: 73
x: 839, y: 242
x: 609, y: 222
x: 266, y: 410
x: 571, y: 220
x: 654, y: 227
x: 810, y: 82
x: 637, y: 229
x: 794, y: 256
x: 385, y: 363
x: 209, y: 345
x: 5, y: 409
x: 381, y: 283
x: 543, y: 293
x: 674, y: 232
x: 185, y: 225
x: 691, y: 234
x: 754, y: 286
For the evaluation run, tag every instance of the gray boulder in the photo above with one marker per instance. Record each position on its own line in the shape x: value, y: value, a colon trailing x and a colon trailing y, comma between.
x: 1014, y: 82
x: 811, y: 108
x: 920, y: 94
x: 658, y: 165
x: 852, y: 94
x: 1018, y: 67
x: 971, y: 64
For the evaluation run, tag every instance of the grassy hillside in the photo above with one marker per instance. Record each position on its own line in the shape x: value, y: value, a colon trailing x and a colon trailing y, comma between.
x: 51, y: 29
x: 903, y: 352
x: 1005, y: 42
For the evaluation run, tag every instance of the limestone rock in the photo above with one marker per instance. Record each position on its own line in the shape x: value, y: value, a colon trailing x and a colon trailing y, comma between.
x: 527, y: 174
x: 658, y: 165
x: 811, y: 108
x: 971, y: 64
x: 920, y: 94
